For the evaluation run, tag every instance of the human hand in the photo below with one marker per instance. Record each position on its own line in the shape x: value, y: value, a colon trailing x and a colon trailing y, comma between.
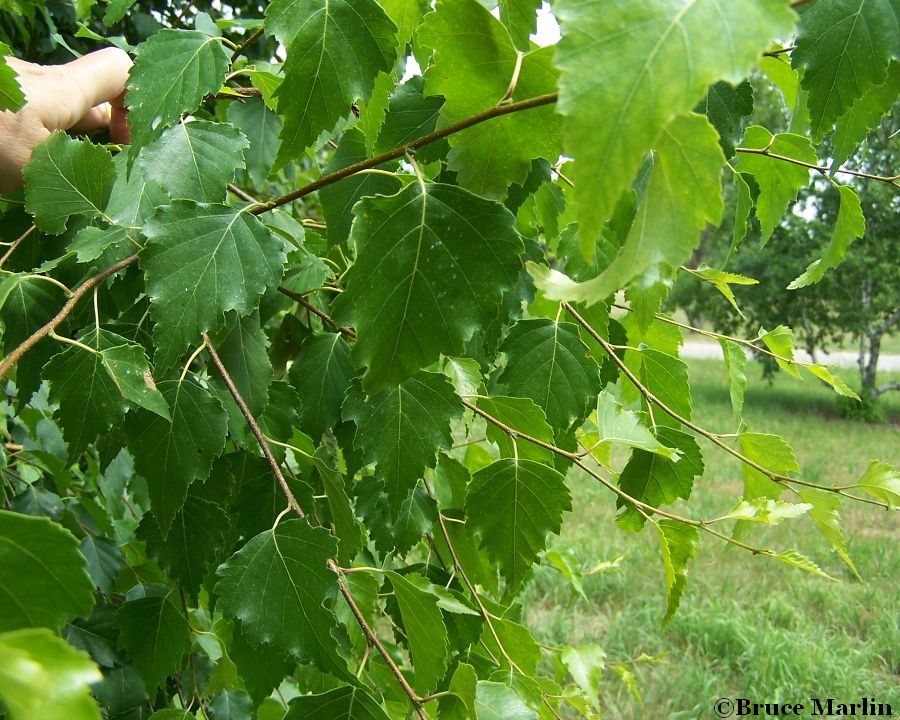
x: 83, y: 95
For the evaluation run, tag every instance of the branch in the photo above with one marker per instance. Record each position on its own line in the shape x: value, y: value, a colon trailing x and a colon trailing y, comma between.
x: 711, y: 436
x: 295, y: 506
x: 252, y: 38
x: 887, y: 387
x: 891, y: 180
x: 238, y: 93
x: 41, y: 333
x: 321, y: 314
x: 496, y: 111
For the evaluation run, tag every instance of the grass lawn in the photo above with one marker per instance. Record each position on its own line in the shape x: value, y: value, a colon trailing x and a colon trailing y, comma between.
x: 748, y: 626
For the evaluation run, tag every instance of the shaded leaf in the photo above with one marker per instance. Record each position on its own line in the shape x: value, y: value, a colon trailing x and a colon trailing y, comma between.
x: 321, y: 375
x: 277, y: 584
x: 418, y: 288
x: 343, y: 703
x: 67, y: 177
x: 513, y: 504
x: 189, y: 261
x: 43, y: 576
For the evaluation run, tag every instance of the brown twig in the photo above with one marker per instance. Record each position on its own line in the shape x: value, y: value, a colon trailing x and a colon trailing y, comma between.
x: 251, y: 38
x: 494, y: 112
x: 888, y: 179
x: 238, y: 93
x: 51, y: 325
x: 321, y: 314
x: 18, y: 241
x: 414, y: 699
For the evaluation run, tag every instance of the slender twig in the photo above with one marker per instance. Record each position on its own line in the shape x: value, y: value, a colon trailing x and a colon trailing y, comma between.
x: 251, y: 38
x: 322, y: 315
x: 238, y: 93
x: 414, y: 699
x: 496, y: 111
x: 824, y: 170
x: 242, y: 194
x: 780, y: 51
x: 18, y: 241
x: 52, y: 324
x: 711, y: 436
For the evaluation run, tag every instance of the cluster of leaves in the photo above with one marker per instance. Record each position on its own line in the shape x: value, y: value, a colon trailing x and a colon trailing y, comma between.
x: 295, y: 380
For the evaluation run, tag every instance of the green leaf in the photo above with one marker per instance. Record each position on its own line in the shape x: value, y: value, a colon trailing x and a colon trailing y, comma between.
x: 426, y: 633
x: 548, y: 363
x: 173, y: 454
x: 523, y: 416
x: 336, y: 48
x: 619, y: 90
x: 195, y: 160
x: 585, y: 664
x: 42, y: 676
x: 768, y: 511
x: 513, y: 504
x: 774, y: 454
x: 173, y: 71
x: 473, y: 72
x: 735, y: 366
x: 90, y: 403
x: 194, y: 544
x: 411, y: 115
x: 460, y: 703
x: 171, y: 713
x: 495, y: 701
x: 43, y: 576
x: 824, y: 512
x: 867, y: 111
x: 232, y: 705
x: 780, y: 341
x: 104, y: 560
x: 881, y: 481
x: 667, y: 226
x: 92, y: 242
x: 67, y: 177
x: 520, y: 19
x: 189, y: 261
x: 851, y: 224
x: 658, y: 481
x: 666, y: 376
x: 837, y: 384
x: 844, y: 48
x: 678, y: 544
x: 778, y: 180
x: 242, y: 347
x: 614, y: 424
x: 339, y: 198
x: 11, y: 95
x: 401, y: 429
x: 277, y: 584
x: 797, y: 560
x: 722, y: 281
x: 129, y: 368
x: 116, y: 10
x: 742, y: 207
x: 261, y: 127
x: 156, y: 635
x: 134, y: 198
x: 321, y: 374
x: 372, y: 113
x: 727, y: 106
x: 406, y: 15
x: 419, y: 286
x: 343, y: 703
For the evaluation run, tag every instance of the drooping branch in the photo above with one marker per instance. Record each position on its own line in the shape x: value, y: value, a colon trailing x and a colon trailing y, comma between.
x: 10, y: 360
x: 711, y: 436
x: 414, y: 699
x: 489, y: 114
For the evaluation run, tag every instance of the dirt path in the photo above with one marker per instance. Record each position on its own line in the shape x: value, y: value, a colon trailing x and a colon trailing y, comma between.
x: 841, y: 358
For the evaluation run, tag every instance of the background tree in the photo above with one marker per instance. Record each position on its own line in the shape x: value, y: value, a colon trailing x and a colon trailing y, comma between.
x: 858, y: 301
